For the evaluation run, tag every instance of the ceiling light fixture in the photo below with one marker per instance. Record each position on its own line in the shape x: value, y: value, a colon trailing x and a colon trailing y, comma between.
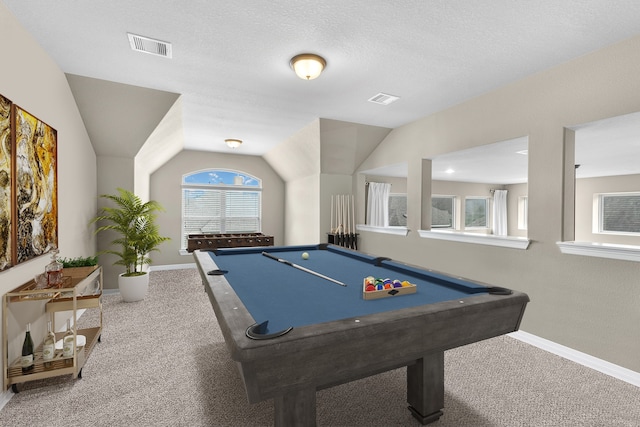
x: 233, y: 143
x: 307, y: 65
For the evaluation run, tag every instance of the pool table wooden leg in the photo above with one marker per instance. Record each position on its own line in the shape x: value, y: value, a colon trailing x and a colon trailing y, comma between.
x: 425, y: 388
x: 297, y: 408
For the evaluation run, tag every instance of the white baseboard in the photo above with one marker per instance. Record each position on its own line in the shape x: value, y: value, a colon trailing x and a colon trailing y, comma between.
x: 5, y: 397
x: 624, y: 374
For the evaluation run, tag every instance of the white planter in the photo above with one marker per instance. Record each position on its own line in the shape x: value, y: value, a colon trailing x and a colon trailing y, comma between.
x: 133, y: 288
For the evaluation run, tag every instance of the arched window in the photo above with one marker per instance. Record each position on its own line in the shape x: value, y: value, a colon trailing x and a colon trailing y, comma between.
x: 220, y: 201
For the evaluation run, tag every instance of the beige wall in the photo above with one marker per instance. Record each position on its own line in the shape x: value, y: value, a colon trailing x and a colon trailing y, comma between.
x: 112, y: 172
x: 331, y: 185
x: 467, y: 189
x: 302, y: 211
x: 589, y: 304
x: 398, y: 184
x: 462, y: 190
x: 514, y: 192
x: 297, y: 161
x: 30, y: 79
x: 586, y: 190
x: 317, y: 162
x: 165, y: 188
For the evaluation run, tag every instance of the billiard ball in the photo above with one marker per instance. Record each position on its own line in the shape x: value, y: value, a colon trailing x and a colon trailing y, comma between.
x: 305, y: 255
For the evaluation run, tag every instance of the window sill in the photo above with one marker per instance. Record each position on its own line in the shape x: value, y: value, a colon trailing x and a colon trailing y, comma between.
x: 398, y: 231
x: 480, y: 239
x: 601, y: 250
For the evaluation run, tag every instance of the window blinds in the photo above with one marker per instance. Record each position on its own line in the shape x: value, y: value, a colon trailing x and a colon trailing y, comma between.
x: 211, y: 211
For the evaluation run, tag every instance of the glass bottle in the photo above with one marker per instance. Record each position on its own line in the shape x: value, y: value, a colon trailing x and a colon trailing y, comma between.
x: 27, y: 352
x: 49, y: 346
x: 68, y: 344
x: 54, y: 270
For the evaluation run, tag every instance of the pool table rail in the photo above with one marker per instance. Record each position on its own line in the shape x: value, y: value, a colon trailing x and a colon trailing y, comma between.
x: 345, y: 350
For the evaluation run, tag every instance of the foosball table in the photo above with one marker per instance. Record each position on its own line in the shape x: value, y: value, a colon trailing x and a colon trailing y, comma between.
x: 216, y: 241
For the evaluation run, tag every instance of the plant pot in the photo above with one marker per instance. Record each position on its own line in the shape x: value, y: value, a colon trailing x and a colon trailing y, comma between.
x: 78, y: 272
x: 133, y: 288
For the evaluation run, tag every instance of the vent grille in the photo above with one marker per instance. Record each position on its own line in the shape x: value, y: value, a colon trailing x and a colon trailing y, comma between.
x: 383, y: 99
x: 151, y: 46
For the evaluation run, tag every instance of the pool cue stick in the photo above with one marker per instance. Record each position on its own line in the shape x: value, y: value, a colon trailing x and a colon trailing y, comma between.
x: 353, y: 221
x: 299, y: 267
x: 343, y: 240
x: 331, y: 226
x: 349, y: 212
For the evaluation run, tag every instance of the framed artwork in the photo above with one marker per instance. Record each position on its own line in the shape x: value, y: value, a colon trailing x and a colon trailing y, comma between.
x: 6, y: 194
x: 36, y: 188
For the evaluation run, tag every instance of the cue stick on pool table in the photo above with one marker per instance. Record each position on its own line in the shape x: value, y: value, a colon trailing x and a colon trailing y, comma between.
x: 299, y: 267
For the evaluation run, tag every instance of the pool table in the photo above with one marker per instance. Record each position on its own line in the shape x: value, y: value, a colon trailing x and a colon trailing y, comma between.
x: 294, y: 325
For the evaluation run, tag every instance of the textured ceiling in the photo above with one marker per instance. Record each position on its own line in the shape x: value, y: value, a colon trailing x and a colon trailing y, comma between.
x: 231, y: 59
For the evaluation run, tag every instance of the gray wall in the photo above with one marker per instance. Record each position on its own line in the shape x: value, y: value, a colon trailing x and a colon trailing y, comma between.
x: 586, y: 303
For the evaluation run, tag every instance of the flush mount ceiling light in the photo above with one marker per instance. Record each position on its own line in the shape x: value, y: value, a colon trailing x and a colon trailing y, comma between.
x: 233, y: 143
x: 307, y: 65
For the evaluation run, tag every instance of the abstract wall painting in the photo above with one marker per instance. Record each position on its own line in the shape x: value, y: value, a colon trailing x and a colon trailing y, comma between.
x: 36, y: 191
x: 6, y: 196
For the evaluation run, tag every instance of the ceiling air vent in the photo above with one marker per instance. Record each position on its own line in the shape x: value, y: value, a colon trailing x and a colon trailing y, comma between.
x: 383, y: 99
x: 147, y: 45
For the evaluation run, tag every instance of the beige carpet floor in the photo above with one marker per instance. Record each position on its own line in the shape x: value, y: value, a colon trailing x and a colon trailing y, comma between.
x: 163, y: 362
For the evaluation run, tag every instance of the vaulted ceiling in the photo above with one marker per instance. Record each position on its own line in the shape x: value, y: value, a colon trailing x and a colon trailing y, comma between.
x: 230, y: 60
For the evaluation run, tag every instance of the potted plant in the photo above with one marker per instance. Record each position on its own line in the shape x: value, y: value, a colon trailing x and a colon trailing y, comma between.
x: 138, y: 235
x: 80, y: 261
x: 79, y: 266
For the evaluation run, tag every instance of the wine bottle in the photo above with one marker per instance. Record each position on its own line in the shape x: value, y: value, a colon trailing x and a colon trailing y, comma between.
x: 68, y: 344
x: 27, y: 352
x: 49, y: 346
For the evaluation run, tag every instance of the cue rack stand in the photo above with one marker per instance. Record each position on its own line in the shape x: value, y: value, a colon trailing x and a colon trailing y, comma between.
x: 343, y: 221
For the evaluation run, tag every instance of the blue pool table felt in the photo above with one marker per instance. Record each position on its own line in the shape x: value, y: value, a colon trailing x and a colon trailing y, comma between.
x: 288, y: 297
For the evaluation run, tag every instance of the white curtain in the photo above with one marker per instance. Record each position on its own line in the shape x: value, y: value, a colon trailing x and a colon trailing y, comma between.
x: 378, y: 204
x: 500, y: 212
